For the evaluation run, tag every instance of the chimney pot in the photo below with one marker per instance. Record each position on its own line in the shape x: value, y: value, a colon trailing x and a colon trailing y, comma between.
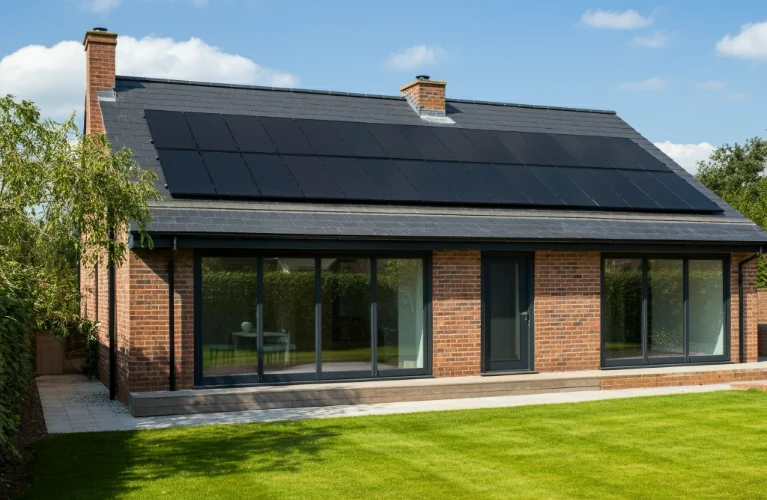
x: 422, y: 77
x: 100, y: 29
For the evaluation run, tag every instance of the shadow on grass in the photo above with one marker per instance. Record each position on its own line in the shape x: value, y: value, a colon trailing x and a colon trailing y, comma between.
x: 110, y: 464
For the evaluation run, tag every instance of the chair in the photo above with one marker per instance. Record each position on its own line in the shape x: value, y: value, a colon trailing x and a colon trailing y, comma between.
x: 226, y: 349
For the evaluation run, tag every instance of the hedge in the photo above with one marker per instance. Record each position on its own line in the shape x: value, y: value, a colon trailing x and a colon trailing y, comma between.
x: 16, y: 351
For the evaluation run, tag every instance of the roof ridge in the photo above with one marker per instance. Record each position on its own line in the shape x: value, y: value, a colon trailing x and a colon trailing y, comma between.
x: 350, y: 94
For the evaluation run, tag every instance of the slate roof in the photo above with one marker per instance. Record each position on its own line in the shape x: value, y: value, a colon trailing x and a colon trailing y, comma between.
x: 123, y: 113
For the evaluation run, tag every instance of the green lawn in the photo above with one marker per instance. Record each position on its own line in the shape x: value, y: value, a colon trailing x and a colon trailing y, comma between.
x: 711, y: 445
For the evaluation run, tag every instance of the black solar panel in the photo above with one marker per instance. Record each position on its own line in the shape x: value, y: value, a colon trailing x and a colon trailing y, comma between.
x: 359, y: 140
x: 392, y: 141
x: 487, y: 142
x: 521, y: 149
x: 549, y: 148
x: 352, y: 179
x: 273, y: 178
x: 562, y: 186
x: 286, y: 136
x: 497, y: 185
x: 313, y: 178
x: 457, y: 143
x: 594, y: 187
x: 685, y: 191
x: 639, y: 154
x: 249, y: 134
x: 390, y: 180
x: 635, y: 197
x: 427, y: 182
x: 210, y: 132
x: 185, y: 173
x: 607, y: 149
x: 462, y: 183
x: 323, y: 138
x: 169, y: 130
x: 229, y: 174
x: 581, y: 151
x: 426, y: 143
x: 655, y: 190
x: 529, y: 185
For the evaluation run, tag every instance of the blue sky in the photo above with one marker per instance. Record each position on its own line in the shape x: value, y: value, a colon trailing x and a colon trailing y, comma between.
x: 690, y: 73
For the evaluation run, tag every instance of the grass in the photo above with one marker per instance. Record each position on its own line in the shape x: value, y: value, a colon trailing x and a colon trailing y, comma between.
x: 249, y: 357
x: 711, y: 445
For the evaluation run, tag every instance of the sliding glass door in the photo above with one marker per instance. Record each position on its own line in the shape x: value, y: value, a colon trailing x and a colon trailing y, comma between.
x: 297, y: 317
x: 664, y: 310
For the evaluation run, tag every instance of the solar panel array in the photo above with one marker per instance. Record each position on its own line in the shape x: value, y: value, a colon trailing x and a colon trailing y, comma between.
x: 238, y: 156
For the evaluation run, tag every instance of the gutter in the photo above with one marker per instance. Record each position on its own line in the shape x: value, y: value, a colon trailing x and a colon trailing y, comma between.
x: 112, y: 322
x: 172, y: 319
x: 741, y: 307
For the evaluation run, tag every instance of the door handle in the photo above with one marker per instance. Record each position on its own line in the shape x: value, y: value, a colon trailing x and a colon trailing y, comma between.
x: 525, y: 315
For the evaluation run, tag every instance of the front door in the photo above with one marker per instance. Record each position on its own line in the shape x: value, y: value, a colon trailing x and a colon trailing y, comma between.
x: 506, y: 312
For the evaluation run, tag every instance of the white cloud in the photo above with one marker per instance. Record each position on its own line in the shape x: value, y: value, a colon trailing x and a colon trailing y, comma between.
x: 654, y: 83
x: 99, y: 6
x: 711, y: 85
x: 687, y: 155
x: 414, y: 57
x: 738, y: 96
x: 750, y: 43
x: 657, y: 40
x: 54, y: 77
x: 614, y: 20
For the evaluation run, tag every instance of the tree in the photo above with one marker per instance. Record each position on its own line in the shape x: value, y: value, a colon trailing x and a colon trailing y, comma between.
x: 736, y: 174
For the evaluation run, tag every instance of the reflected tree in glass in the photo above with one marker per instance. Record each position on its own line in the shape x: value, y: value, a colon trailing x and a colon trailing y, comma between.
x: 623, y: 308
x: 400, y: 314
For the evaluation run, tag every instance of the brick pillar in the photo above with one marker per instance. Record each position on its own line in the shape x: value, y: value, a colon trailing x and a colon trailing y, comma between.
x: 456, y: 313
x: 751, y: 309
x: 567, y: 311
x: 99, y: 75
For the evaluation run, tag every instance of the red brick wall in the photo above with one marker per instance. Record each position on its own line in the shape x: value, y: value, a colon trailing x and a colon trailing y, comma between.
x: 456, y: 313
x: 676, y: 379
x: 567, y: 311
x: 751, y: 308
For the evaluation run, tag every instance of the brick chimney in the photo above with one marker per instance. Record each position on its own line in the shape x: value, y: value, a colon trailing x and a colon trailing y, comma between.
x: 99, y: 74
x: 427, y: 97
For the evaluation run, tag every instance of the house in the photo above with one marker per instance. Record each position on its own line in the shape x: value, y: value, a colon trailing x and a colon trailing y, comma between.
x: 312, y: 236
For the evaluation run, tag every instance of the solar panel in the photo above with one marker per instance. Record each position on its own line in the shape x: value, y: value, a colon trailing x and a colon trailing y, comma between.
x: 390, y: 180
x: 655, y: 190
x: 352, y: 179
x: 457, y: 143
x: 529, y: 185
x: 393, y: 142
x: 464, y: 185
x: 210, y: 132
x: 273, y: 178
x: 491, y: 147
x: 614, y: 156
x: 521, y: 149
x: 684, y: 190
x: 169, y: 130
x: 359, y: 140
x: 426, y: 143
x: 631, y: 194
x: 562, y: 186
x: 426, y: 181
x: 581, y: 151
x: 286, y: 136
x: 639, y: 154
x: 323, y: 138
x: 548, y: 147
x: 229, y: 174
x: 185, y: 173
x: 249, y: 134
x: 594, y: 187
x: 497, y: 185
x: 313, y: 178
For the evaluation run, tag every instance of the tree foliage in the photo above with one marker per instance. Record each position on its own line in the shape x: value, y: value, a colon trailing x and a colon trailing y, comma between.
x: 736, y: 174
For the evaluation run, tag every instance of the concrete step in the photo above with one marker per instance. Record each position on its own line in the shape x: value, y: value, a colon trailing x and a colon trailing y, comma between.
x: 146, y: 404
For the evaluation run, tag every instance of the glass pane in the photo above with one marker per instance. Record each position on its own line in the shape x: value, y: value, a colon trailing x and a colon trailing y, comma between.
x: 706, y: 282
x: 665, y: 308
x: 346, y: 315
x: 399, y: 295
x: 623, y: 309
x: 229, y: 338
x: 289, y: 315
x: 503, y: 316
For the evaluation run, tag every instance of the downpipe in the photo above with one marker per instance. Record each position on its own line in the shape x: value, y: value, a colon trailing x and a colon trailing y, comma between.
x: 172, y: 319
